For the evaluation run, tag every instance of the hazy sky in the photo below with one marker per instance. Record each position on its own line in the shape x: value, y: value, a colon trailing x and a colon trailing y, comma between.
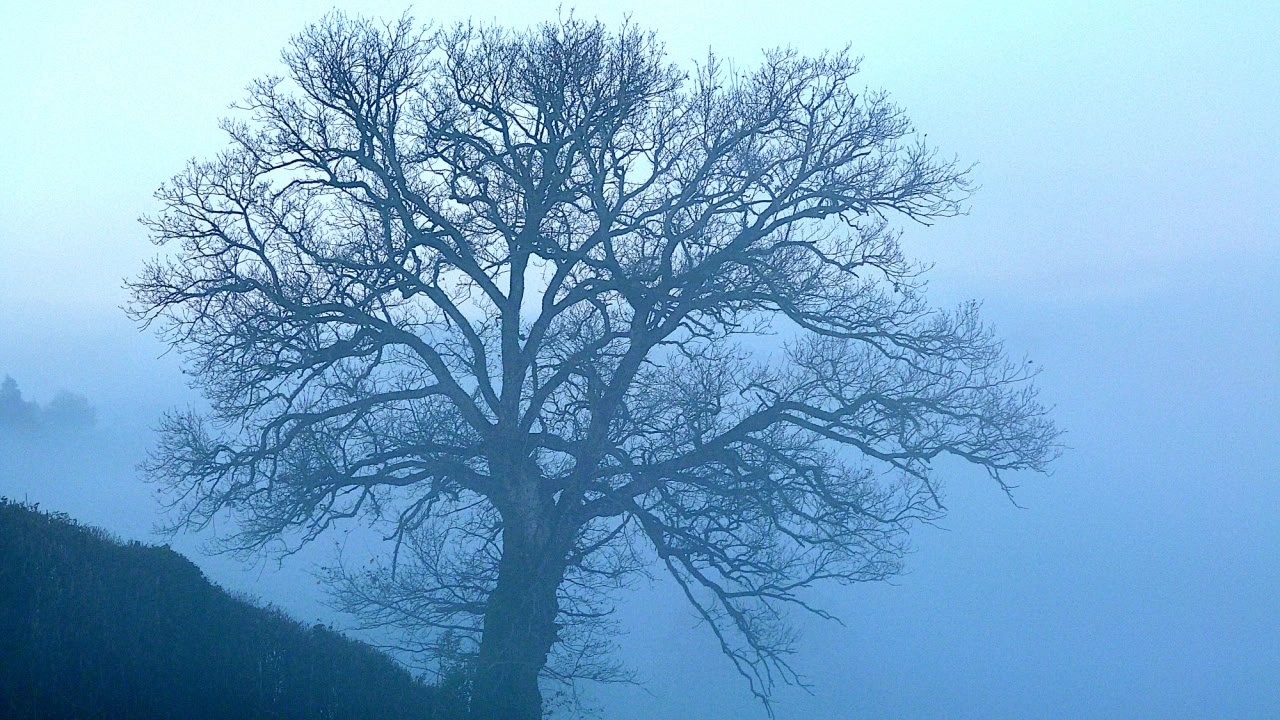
x: 1125, y: 238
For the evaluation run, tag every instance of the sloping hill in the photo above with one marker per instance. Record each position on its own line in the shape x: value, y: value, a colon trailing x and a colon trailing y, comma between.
x: 94, y: 628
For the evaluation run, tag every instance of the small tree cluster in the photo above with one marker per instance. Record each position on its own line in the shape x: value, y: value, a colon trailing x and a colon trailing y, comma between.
x: 64, y: 412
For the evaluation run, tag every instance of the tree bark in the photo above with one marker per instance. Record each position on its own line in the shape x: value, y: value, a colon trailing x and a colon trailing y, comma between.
x: 519, y: 626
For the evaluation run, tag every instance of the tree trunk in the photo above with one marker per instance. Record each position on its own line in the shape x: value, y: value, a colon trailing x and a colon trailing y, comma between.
x: 519, y: 627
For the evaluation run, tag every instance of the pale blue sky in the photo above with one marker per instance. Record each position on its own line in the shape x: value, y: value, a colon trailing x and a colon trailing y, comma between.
x: 1125, y: 237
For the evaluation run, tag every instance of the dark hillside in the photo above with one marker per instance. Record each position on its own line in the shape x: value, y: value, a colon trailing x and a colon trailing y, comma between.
x: 93, y: 628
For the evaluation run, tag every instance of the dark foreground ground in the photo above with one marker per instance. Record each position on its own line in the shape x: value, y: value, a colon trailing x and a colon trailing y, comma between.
x: 91, y: 627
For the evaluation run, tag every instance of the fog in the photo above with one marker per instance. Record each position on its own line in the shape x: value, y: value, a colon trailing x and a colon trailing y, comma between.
x: 1124, y: 239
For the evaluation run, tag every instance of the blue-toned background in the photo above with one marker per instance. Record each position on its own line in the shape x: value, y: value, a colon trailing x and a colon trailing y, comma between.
x: 1125, y: 238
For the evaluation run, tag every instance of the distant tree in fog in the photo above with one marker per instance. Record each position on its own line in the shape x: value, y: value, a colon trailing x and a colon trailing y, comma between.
x: 555, y: 312
x: 69, y: 410
x: 14, y: 411
x: 66, y: 410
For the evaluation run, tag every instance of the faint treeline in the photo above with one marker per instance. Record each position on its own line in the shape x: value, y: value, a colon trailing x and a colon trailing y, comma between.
x: 66, y: 411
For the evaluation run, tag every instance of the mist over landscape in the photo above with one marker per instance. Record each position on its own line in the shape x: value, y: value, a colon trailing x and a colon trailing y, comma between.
x: 1122, y: 241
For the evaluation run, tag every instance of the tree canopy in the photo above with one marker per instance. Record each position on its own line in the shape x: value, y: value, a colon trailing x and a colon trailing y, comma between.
x: 555, y: 312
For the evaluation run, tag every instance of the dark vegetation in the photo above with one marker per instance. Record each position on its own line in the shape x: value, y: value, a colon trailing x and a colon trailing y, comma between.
x: 94, y: 628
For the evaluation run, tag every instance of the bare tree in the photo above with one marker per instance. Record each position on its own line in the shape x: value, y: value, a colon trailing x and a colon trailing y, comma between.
x: 556, y: 312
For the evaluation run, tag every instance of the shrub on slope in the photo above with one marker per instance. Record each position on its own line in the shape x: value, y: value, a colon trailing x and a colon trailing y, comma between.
x: 93, y: 628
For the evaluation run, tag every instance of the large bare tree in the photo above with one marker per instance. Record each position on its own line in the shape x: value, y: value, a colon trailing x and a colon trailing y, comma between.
x: 555, y: 312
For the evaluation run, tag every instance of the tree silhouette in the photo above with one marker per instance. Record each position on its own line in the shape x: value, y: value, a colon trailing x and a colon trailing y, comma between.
x: 557, y: 312
x: 15, y: 412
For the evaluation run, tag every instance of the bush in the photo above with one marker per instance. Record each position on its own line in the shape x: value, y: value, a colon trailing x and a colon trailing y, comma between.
x: 93, y: 628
